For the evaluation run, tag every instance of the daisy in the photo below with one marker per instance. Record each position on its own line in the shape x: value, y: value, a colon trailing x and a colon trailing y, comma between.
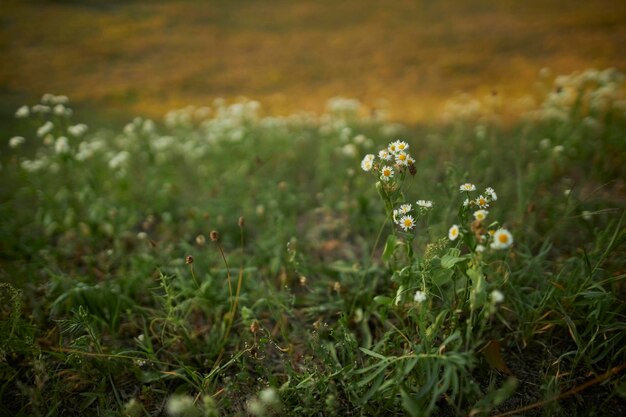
x: 482, y: 202
x: 424, y: 203
x: 405, y: 208
x: 502, y: 239
x: 384, y: 155
x: 480, y: 215
x: 393, y: 147
x: 467, y: 187
x: 367, y: 163
x: 402, y: 158
x: 386, y: 173
x: 407, y: 223
x: 491, y: 193
x: 420, y: 296
x: 453, y: 233
x: 402, y: 146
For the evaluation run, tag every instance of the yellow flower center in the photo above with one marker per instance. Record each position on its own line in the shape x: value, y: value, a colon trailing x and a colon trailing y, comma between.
x: 503, y: 238
x: 402, y: 157
x: 408, y: 222
x: 386, y: 172
x: 454, y: 232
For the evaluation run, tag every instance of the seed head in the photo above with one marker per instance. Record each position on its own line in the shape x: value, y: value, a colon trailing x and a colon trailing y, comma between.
x: 241, y: 221
x: 412, y: 169
x: 254, y: 327
x: 189, y: 260
x: 214, y: 235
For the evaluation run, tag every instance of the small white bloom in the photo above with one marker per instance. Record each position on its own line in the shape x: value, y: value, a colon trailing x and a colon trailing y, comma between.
x: 384, y: 155
x: 466, y: 202
x: 424, y: 203
x: 407, y: 223
x: 405, y: 208
x: 558, y: 149
x: 181, y: 405
x: 61, y: 145
x: 349, y: 150
x: 491, y: 193
x: 480, y: 248
x: 16, y: 141
x: 367, y: 163
x: 482, y: 202
x: 402, y: 146
x: 40, y: 108
x: 48, y: 140
x: 269, y: 396
x: 402, y: 158
x: 77, y: 130
x: 419, y: 297
x: 480, y: 215
x: 545, y: 143
x: 393, y: 147
x: 502, y: 239
x: 453, y: 233
x: 45, y: 129
x: 567, y: 192
x: 467, y: 187
x: 118, y: 160
x: 386, y: 173
x: 59, y: 110
x: 586, y: 215
x: 496, y: 296
x: 22, y: 112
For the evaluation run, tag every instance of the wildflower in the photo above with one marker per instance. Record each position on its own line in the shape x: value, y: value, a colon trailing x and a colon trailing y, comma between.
x: 496, y: 296
x: 502, y: 239
x: 16, y: 141
x: 466, y: 202
x: 61, y: 145
x: 22, y: 112
x: 480, y: 215
x: 482, y: 202
x: 453, y: 233
x: 40, y: 108
x: 393, y: 147
x: 491, y: 193
x: 419, y: 297
x: 59, y: 110
x: 558, y: 149
x: 269, y: 396
x: 424, y: 203
x: 467, y: 187
x: 402, y: 146
x: 384, y: 155
x: 119, y: 159
x: 405, y: 208
x: 367, y: 163
x: 77, y: 130
x: 480, y: 248
x: 396, y: 213
x: 45, y: 129
x: 214, y: 235
x: 407, y: 222
x: 200, y: 240
x: 386, y: 173
x: 181, y: 405
x: 402, y: 158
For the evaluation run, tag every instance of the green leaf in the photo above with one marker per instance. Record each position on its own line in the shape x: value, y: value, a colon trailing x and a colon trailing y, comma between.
x: 372, y: 353
x: 478, y: 295
x: 383, y: 300
x: 441, y: 276
x: 452, y: 258
x: 411, y: 405
x: 390, y: 248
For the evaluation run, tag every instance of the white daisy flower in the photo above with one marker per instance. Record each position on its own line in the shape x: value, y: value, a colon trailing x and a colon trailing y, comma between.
x: 496, y: 296
x: 482, y: 201
x: 502, y: 239
x: 22, y: 112
x: 407, y: 223
x: 386, y: 173
x: 393, y: 147
x: 405, y: 208
x: 467, y: 187
x: 402, y: 158
x: 491, y: 194
x: 424, y: 203
x: 367, y: 163
x: 453, y: 233
x: 480, y: 215
x: 16, y: 141
x: 419, y: 297
x: 410, y: 160
x: 402, y: 146
x: 385, y: 155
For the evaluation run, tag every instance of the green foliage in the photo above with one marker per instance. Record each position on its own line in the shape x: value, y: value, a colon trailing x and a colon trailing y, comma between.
x: 330, y: 296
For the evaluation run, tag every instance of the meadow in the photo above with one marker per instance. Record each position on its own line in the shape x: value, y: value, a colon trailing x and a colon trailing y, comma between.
x: 225, y: 261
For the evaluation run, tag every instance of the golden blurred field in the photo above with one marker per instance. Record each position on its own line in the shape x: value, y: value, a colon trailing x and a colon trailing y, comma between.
x: 146, y: 57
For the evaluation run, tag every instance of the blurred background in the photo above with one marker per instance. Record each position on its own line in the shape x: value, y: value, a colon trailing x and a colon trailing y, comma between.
x: 128, y: 58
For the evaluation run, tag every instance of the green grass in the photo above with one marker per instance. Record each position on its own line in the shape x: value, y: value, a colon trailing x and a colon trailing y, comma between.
x: 304, y: 303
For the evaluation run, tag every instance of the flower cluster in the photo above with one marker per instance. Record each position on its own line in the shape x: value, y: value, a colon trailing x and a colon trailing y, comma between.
x: 405, y: 215
x: 392, y: 161
x: 499, y: 238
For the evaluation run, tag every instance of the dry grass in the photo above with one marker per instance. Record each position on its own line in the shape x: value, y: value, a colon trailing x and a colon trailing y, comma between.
x: 149, y: 56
